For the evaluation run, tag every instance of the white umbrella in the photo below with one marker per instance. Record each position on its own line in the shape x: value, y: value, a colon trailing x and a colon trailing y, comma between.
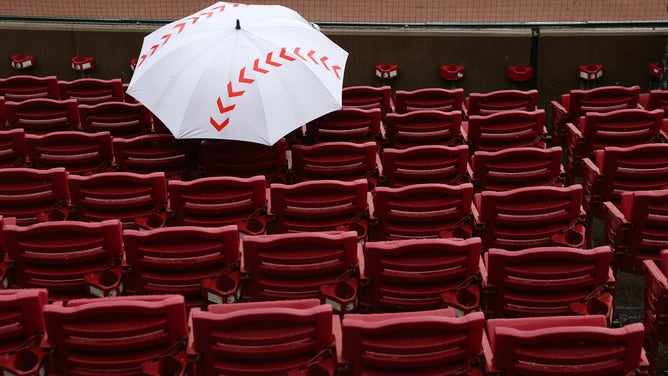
x: 239, y: 72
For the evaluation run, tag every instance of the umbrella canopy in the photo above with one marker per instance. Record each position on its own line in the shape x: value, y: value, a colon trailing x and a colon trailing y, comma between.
x: 239, y: 72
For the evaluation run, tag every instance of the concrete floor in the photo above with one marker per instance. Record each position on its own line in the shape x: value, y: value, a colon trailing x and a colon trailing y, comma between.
x: 629, y: 297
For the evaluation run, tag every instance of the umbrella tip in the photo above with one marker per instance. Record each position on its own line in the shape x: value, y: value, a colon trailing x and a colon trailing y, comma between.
x: 238, y: 25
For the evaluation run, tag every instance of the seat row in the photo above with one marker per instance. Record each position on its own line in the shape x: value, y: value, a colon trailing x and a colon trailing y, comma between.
x: 153, y: 335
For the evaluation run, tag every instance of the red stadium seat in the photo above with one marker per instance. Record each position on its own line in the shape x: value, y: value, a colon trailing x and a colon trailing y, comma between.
x: 500, y: 100
x: 349, y: 124
x: 42, y: 115
x: 367, y: 97
x: 578, y: 102
x: 121, y: 119
x: 423, y: 127
x: 638, y: 229
x: 219, y: 201
x: 79, y: 152
x: 33, y: 195
x: 548, y: 281
x: 425, y: 343
x: 92, y: 90
x: 117, y: 336
x: 434, y: 98
x: 655, y: 100
x: 69, y: 258
x: 506, y: 129
x: 13, y: 150
x: 531, y: 217
x: 614, y: 170
x: 258, y: 339
x: 175, y: 260
x: 24, y: 87
x: 319, y: 205
x: 420, y: 274
x: 655, y: 303
x: 178, y: 159
x: 425, y: 164
x: 336, y: 160
x: 619, y: 128
x: 512, y: 168
x: 137, y: 200
x: 422, y: 211
x: 245, y: 160
x: 22, y: 331
x: 321, y: 265
x: 563, y: 345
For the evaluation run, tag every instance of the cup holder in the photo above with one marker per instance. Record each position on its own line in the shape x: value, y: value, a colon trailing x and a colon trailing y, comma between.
x: 344, y: 291
x: 596, y: 307
x: 254, y: 226
x: 466, y: 298
x: 26, y: 360
x: 170, y: 366
x: 107, y: 278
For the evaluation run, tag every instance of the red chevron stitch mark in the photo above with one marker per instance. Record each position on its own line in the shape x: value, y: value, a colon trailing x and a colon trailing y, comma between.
x: 310, y: 55
x: 221, y: 108
x: 219, y: 126
x: 296, y: 52
x: 322, y: 60
x: 257, y: 68
x: 231, y: 93
x: 271, y: 62
x: 243, y: 78
x: 180, y: 26
x: 141, y: 60
x: 194, y: 19
x: 207, y: 14
x: 166, y: 38
x: 336, y: 69
x: 283, y: 55
x: 153, y: 49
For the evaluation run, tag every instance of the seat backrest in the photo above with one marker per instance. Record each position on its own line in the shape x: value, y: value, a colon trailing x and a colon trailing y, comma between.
x: 21, y: 317
x: 219, y: 201
x: 115, y: 335
x: 257, y: 339
x: 422, y: 343
x: 601, y: 99
x: 22, y: 87
x: 335, y: 160
x: 157, y: 152
x: 367, y: 97
x: 647, y: 235
x: 627, y: 127
x: 79, y: 152
x: 563, y: 345
x: 43, y: 115
x: 543, y: 281
x: 531, y: 217
x: 92, y: 90
x: 319, y: 205
x: 349, y: 124
x: 434, y: 98
x: 245, y: 159
x: 175, y: 260
x: 58, y: 255
x: 13, y: 150
x: 425, y: 164
x: 633, y: 168
x: 422, y: 127
x: 427, y: 210
x: 121, y: 195
x: 121, y: 119
x: 28, y: 194
x: 295, y: 266
x: 411, y: 274
x: 501, y: 100
x: 512, y: 168
x: 656, y: 99
x: 506, y: 129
